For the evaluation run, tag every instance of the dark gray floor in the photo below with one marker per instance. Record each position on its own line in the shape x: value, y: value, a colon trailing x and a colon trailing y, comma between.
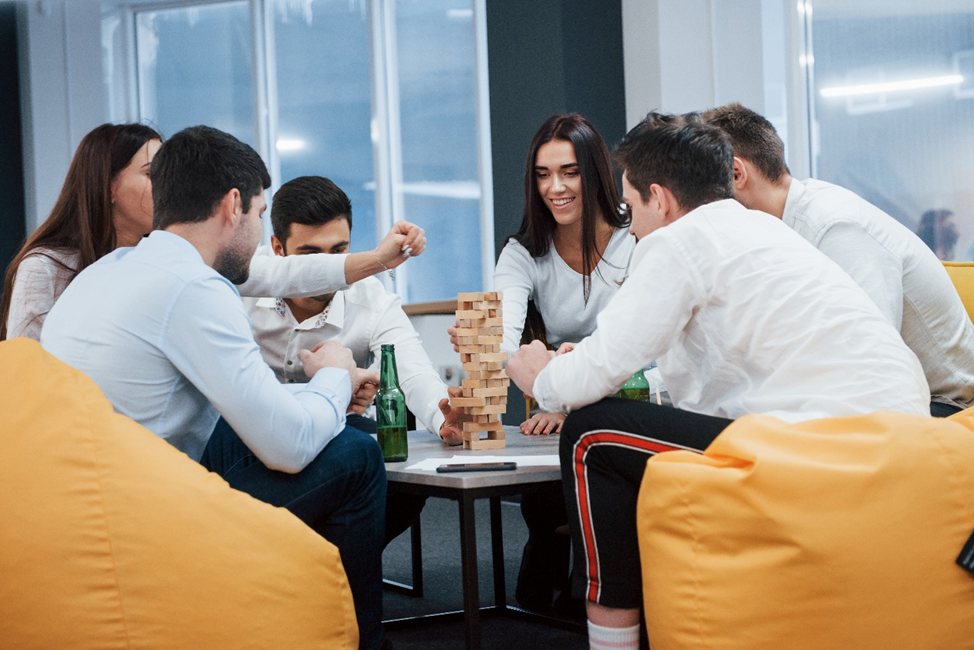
x: 443, y: 584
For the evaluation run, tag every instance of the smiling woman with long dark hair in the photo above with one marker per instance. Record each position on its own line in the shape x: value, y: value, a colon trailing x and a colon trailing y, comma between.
x: 572, y: 250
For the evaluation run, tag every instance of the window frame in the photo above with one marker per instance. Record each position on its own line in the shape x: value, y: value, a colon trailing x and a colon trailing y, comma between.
x: 125, y: 105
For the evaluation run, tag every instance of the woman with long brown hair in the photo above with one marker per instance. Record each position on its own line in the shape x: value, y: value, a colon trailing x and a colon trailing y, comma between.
x: 557, y: 272
x: 105, y: 203
x: 572, y: 251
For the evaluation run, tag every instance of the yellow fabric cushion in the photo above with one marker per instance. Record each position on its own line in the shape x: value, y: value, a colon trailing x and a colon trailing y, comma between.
x: 962, y: 275
x: 111, y: 538
x: 835, y: 533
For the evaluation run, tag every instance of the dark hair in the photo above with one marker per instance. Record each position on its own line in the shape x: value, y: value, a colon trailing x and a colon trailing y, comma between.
x: 195, y: 169
x: 690, y: 158
x: 753, y: 138
x: 309, y: 201
x: 600, y: 196
x: 939, y: 238
x: 82, y: 216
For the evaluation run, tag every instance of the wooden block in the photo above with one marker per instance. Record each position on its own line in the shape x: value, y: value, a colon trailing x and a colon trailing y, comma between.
x: 484, y: 340
x: 483, y: 365
x: 475, y: 348
x: 475, y: 323
x: 484, y: 444
x: 486, y: 375
x: 482, y: 357
x: 472, y: 296
x: 493, y: 341
x: 487, y: 409
x: 472, y: 314
x: 496, y: 399
x: 498, y: 383
x: 466, y: 402
x: 488, y: 392
x: 483, y: 426
x: 493, y: 295
x: 480, y: 331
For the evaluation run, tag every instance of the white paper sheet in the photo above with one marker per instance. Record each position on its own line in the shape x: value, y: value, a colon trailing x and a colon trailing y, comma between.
x: 545, y: 460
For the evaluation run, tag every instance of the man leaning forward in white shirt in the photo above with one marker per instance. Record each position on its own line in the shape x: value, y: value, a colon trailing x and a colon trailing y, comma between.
x: 742, y: 315
x: 311, y: 214
x: 161, y: 329
x: 891, y: 264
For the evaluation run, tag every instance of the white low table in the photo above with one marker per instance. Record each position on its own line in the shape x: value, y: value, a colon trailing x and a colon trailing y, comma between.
x: 467, y: 487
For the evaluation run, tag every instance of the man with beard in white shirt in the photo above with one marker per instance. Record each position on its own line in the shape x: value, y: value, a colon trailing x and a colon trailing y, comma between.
x: 309, y: 215
x: 161, y: 329
x: 891, y: 264
x: 743, y: 316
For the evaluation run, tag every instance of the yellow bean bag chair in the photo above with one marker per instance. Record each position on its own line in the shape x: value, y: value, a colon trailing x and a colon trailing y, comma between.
x: 830, y: 534
x: 111, y: 538
x: 962, y: 275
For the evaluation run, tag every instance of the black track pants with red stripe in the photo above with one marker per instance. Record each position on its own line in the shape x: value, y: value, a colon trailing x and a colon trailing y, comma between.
x: 604, y: 449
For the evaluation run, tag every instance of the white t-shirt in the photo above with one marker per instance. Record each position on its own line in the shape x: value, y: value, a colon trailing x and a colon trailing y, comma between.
x: 556, y: 289
x: 743, y: 316
x: 900, y: 273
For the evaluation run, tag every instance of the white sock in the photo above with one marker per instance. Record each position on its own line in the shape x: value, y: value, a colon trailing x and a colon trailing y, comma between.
x: 612, y: 638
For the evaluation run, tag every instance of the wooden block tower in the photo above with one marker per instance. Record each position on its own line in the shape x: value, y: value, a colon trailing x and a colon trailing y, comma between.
x: 480, y: 331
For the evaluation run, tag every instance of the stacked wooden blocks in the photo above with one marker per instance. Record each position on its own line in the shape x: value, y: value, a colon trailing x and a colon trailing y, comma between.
x: 480, y: 331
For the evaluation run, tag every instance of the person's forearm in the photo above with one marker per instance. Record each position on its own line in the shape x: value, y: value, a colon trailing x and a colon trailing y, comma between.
x: 359, y: 266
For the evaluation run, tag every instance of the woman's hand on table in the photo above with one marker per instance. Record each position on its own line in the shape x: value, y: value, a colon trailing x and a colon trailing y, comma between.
x: 543, y: 424
x: 451, y: 432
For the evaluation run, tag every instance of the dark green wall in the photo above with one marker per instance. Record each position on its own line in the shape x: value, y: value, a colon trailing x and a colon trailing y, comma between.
x: 547, y: 57
x: 12, y: 212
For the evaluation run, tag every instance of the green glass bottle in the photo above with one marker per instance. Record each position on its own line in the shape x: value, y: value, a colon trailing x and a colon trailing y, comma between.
x: 636, y: 388
x: 390, y: 409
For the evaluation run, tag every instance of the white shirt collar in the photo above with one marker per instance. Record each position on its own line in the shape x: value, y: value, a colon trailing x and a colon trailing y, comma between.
x: 333, y: 314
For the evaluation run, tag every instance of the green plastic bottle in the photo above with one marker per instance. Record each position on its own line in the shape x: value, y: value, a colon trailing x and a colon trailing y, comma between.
x: 390, y: 409
x: 636, y: 387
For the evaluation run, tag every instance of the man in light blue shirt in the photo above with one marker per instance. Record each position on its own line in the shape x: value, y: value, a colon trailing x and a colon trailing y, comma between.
x: 161, y: 329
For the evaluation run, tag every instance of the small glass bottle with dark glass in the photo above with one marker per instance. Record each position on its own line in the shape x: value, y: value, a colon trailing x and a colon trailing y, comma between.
x: 390, y: 409
x: 636, y: 388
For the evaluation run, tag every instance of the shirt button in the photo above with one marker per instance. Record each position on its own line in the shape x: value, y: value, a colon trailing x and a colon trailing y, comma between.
x: 289, y: 362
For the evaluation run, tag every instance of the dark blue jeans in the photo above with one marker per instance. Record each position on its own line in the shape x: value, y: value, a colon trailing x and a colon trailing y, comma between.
x: 341, y: 495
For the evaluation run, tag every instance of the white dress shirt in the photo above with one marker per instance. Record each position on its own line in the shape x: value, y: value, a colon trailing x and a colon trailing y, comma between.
x: 363, y: 318
x: 556, y: 289
x: 744, y: 316
x: 900, y: 273
x: 168, y: 341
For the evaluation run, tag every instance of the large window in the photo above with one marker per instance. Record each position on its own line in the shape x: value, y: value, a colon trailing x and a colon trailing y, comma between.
x: 892, y: 97
x: 385, y: 97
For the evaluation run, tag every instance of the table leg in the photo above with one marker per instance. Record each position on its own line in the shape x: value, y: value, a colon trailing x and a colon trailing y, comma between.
x: 417, y: 557
x: 497, y: 545
x: 468, y: 558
